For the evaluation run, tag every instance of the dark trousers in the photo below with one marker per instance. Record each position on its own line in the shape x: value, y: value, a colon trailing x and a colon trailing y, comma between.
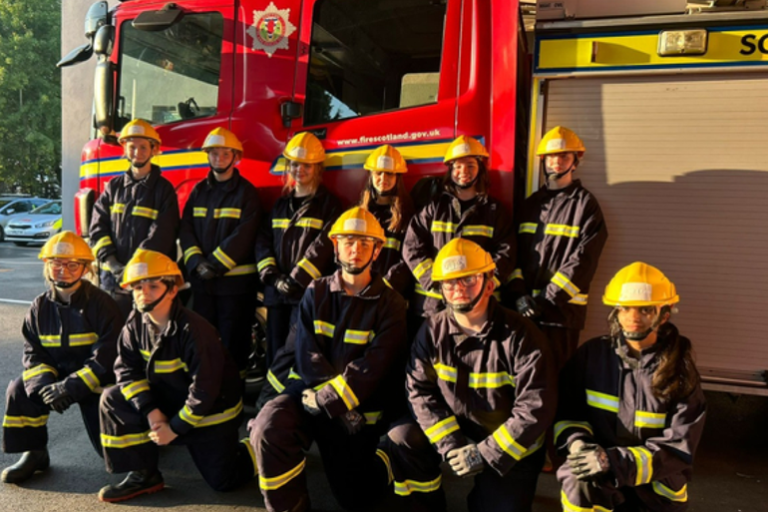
x: 283, y: 431
x: 418, y: 479
x: 233, y: 316
x: 280, y: 318
x: 224, y: 463
x: 563, y: 342
x: 24, y: 425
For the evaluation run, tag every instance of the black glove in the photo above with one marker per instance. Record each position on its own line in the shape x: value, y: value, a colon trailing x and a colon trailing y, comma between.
x: 271, y: 278
x: 352, y: 421
x: 528, y: 307
x: 309, y: 401
x: 115, y: 267
x: 592, y: 461
x: 289, y: 288
x: 205, y: 270
x: 56, y: 397
x: 466, y: 461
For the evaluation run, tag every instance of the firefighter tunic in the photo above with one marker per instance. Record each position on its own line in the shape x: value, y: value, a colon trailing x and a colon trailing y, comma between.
x: 561, y: 235
x: 132, y: 214
x: 74, y: 343
x: 188, y: 375
x: 219, y: 225
x: 606, y: 398
x: 349, y: 348
x: 482, y: 220
x: 497, y: 389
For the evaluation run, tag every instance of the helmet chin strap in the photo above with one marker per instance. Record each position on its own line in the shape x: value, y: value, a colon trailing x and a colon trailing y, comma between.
x: 556, y: 176
x: 148, y: 308
x: 353, y: 270
x: 223, y: 170
x: 469, y: 306
x: 637, y: 336
x: 63, y: 284
x: 142, y: 164
x: 468, y: 185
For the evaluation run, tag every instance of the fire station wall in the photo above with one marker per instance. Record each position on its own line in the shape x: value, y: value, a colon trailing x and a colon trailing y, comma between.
x: 679, y: 166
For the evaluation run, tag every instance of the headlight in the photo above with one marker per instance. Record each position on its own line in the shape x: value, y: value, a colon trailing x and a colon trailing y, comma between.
x: 45, y: 224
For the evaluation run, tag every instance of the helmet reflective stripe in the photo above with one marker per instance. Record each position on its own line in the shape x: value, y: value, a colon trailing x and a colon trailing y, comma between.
x: 63, y: 249
x: 135, y: 130
x: 215, y: 140
x: 356, y: 225
x: 556, y: 145
x: 298, y: 152
x: 454, y: 264
x: 385, y: 162
x: 636, y: 291
x: 461, y: 149
x: 137, y: 271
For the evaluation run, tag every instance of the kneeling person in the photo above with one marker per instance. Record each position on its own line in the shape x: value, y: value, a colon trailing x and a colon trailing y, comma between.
x: 481, y: 385
x: 176, y: 384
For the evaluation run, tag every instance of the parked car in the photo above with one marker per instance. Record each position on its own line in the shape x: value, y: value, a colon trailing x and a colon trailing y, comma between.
x: 13, y: 205
x: 36, y: 226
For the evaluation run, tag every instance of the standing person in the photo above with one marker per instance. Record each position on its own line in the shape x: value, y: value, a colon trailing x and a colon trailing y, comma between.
x: 464, y: 209
x: 292, y: 247
x: 561, y: 235
x: 218, y: 230
x: 631, y: 406
x: 350, y: 339
x: 70, y: 344
x: 176, y: 384
x: 386, y: 198
x: 136, y: 210
x: 482, y: 388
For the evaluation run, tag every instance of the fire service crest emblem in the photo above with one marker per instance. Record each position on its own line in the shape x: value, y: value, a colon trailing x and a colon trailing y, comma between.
x: 271, y: 29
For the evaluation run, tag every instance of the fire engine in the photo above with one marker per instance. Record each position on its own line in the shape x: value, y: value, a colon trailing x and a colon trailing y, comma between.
x: 669, y: 96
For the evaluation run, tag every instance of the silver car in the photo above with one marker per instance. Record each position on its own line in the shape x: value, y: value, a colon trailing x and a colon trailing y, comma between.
x: 11, y: 205
x: 36, y: 226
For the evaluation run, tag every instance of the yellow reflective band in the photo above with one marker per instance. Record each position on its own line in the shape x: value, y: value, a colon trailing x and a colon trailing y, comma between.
x: 444, y: 372
x: 580, y: 299
x: 385, y: 459
x: 134, y: 388
x: 422, y: 268
x: 387, y: 283
x: 570, y: 507
x: 393, y: 243
x: 293, y: 375
x: 565, y: 283
x: 242, y: 270
x: 224, y: 259
x: 528, y: 228
x: 486, y: 231
x: 191, y: 252
x: 644, y: 419
x: 644, y: 463
x: 141, y: 211
x: 441, y: 429
x: 90, y: 378
x: 227, y: 213
x: 443, y: 227
x: 145, y: 354
x: 562, y: 426
x: 117, y: 208
x: 275, y: 382
x: 371, y: 418
x: 562, y: 230
x: 128, y: 440
x: 216, y: 419
x: 491, y: 380
x: 266, y: 262
x: 170, y: 366
x: 84, y: 339
x: 324, y: 328
x: 680, y: 496
x: 311, y: 223
x: 186, y: 414
x: 38, y: 370
x: 421, y: 291
x: 252, y: 454
x: 512, y: 447
x: 24, y: 421
x: 536, y: 293
x: 516, y: 274
x: 309, y: 268
x: 602, y: 401
x: 50, y: 340
x: 496, y: 282
x: 407, y: 487
x: 199, y: 211
x: 280, y: 223
x: 345, y: 392
x: 270, y: 484
x: 358, y: 337
x: 103, y: 242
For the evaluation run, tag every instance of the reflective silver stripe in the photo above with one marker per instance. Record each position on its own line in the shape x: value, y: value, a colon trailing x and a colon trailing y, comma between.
x: 199, y: 211
x: 441, y: 429
x: 170, y: 366
x: 570, y: 507
x: 186, y: 414
x: 117, y: 442
x: 486, y: 231
x: 580, y: 299
x: 516, y: 274
x: 224, y: 258
x: 145, y: 354
x: 421, y: 291
x: 445, y: 372
x: 680, y: 496
x: 602, y: 401
x: 644, y: 463
x: 310, y: 223
x: 517, y: 451
x: 358, y: 337
x: 83, y: 339
x: 371, y: 418
x: 117, y: 208
x: 385, y: 459
x: 241, y: 270
x: 247, y: 442
x: 270, y: 484
x: 273, y: 380
x: 50, y: 340
x: 345, y: 392
x: 38, y: 370
x: 645, y: 419
x: 142, y: 211
x: 324, y: 328
x: 134, y: 388
x: 422, y: 268
x: 228, y: 213
x: 490, y: 380
x: 90, y: 379
x: 266, y: 262
x: 103, y: 242
x: 393, y: 243
x: 216, y: 419
x: 24, y: 421
x: 561, y: 426
x: 528, y: 227
x: 443, y: 227
x: 565, y: 283
x: 191, y: 252
x: 562, y: 230
x: 280, y: 223
x: 309, y: 268
x: 407, y: 487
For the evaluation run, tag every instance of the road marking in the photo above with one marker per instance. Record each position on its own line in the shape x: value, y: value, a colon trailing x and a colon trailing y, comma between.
x: 12, y: 301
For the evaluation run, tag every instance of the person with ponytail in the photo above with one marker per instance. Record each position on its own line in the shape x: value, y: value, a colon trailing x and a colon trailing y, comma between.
x: 632, y: 410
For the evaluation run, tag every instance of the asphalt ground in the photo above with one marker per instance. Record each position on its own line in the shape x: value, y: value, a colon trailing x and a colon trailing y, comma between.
x: 730, y: 473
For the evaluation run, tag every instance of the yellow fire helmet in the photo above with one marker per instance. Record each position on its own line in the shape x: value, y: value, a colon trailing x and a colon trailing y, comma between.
x: 465, y: 146
x: 140, y: 129
x: 358, y: 221
x: 222, y: 138
x: 305, y: 148
x: 461, y: 258
x: 560, y: 140
x: 386, y: 159
x: 146, y: 264
x: 640, y: 284
x: 67, y: 246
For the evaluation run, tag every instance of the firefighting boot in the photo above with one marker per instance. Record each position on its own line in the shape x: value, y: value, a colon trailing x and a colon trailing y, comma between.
x: 29, y: 463
x: 145, y: 481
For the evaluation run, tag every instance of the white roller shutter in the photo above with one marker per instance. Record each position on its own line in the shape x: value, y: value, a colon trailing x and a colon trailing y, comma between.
x: 679, y: 165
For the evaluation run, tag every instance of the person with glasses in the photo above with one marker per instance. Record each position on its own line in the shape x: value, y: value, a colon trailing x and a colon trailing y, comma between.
x: 176, y: 384
x: 70, y: 344
x: 482, y: 389
x: 632, y: 410
x: 350, y: 342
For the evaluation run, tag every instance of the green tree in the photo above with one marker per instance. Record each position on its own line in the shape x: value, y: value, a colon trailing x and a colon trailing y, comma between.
x: 30, y: 97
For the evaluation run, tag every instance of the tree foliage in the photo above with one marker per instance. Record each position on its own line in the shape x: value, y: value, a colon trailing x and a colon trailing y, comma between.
x: 30, y: 97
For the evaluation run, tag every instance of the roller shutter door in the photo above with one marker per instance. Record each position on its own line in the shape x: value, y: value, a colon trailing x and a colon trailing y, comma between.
x: 679, y: 165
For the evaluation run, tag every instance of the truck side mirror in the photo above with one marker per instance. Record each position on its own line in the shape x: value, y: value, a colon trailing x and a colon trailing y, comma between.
x: 80, y: 54
x: 104, y: 41
x: 97, y: 17
x: 103, y: 80
x: 289, y: 111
